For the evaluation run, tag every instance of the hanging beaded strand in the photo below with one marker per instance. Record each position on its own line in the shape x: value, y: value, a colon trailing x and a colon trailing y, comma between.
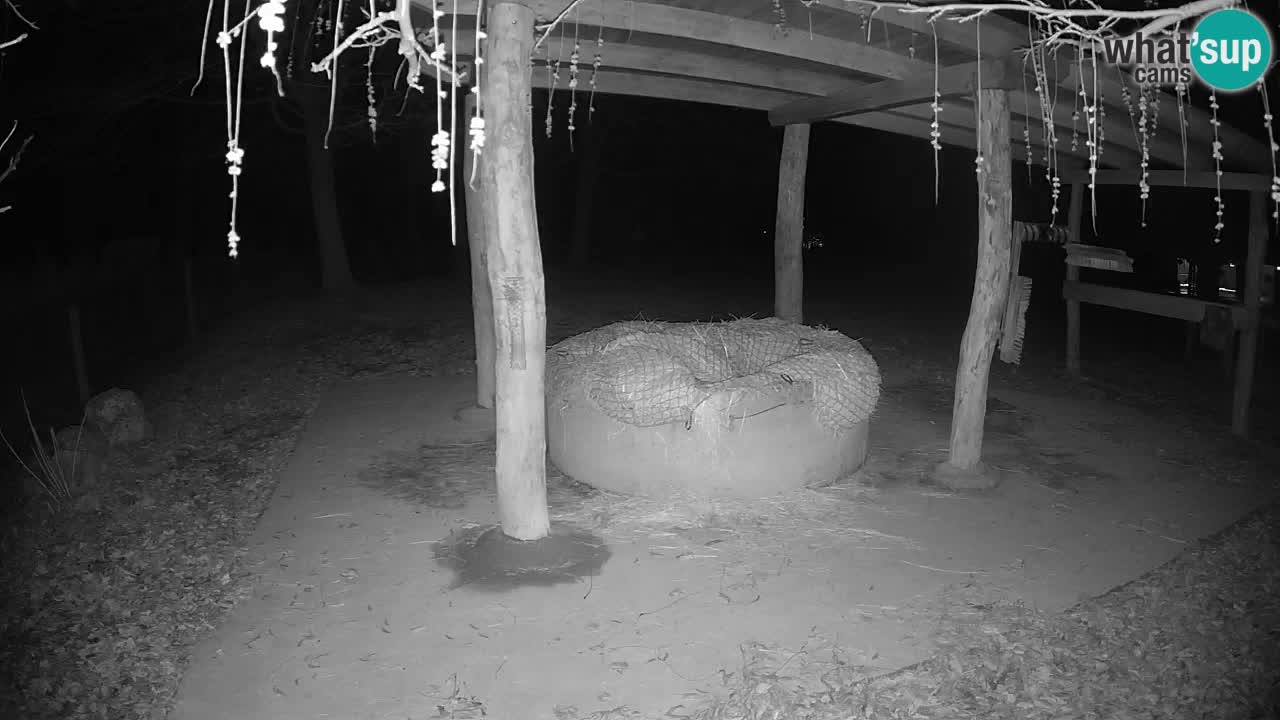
x: 573, y: 82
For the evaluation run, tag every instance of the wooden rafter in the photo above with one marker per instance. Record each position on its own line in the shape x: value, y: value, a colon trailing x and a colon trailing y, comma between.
x: 735, y: 52
x: 954, y: 131
x: 951, y: 82
x: 997, y: 38
x: 706, y: 27
x: 1172, y: 178
x: 644, y: 71
x: 1002, y: 36
x: 958, y: 122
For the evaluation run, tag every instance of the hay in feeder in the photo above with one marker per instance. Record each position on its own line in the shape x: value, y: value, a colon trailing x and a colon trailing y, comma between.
x: 646, y: 374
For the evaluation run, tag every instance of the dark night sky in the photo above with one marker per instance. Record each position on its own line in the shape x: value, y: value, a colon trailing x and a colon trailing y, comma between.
x: 122, y: 150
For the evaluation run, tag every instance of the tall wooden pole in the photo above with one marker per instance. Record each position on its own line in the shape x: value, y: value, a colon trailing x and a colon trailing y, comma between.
x: 1246, y: 360
x: 1075, y: 214
x: 788, y: 234
x: 477, y: 239
x: 990, y: 288
x: 515, y: 273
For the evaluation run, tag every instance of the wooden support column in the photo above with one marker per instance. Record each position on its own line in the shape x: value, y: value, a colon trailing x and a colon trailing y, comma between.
x: 515, y: 274
x: 788, y: 233
x: 1246, y: 359
x: 1075, y: 215
x: 481, y: 296
x: 990, y: 288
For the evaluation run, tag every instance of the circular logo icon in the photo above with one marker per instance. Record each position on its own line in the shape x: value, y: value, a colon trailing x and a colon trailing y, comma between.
x: 1231, y: 49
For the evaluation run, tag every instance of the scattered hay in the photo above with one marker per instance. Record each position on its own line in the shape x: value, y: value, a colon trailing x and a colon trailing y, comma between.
x: 820, y: 517
x: 448, y: 476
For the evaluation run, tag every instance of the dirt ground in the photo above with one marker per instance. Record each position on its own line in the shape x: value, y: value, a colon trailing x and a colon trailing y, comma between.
x: 364, y: 605
x: 300, y: 539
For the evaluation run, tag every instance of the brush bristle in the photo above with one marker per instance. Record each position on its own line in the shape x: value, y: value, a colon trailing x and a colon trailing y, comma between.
x: 1015, y: 330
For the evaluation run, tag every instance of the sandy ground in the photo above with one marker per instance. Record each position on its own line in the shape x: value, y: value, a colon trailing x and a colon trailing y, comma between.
x: 358, y: 613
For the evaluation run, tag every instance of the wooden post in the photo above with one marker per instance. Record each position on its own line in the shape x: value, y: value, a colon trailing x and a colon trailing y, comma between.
x: 1246, y: 359
x: 77, y: 352
x: 1075, y: 214
x: 788, y: 233
x: 515, y: 273
x: 990, y: 288
x: 481, y: 296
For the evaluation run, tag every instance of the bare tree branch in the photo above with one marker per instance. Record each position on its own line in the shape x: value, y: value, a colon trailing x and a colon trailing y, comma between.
x: 14, y: 41
x: 21, y: 17
x: 17, y: 156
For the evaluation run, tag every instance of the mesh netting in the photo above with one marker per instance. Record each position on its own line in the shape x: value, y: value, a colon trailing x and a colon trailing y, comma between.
x: 653, y: 373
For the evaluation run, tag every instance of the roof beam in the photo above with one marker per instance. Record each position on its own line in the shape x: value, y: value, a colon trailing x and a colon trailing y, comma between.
x: 951, y: 82
x: 801, y: 83
x: 712, y: 93
x: 738, y: 72
x: 957, y: 129
x: 958, y: 121
x: 1172, y: 178
x: 640, y: 17
x: 762, y: 40
x: 1000, y: 36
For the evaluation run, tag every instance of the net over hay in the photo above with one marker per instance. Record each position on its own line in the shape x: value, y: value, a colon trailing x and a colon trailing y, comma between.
x: 745, y: 408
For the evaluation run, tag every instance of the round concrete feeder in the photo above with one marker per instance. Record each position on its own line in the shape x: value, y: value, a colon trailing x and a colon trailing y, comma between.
x: 732, y: 446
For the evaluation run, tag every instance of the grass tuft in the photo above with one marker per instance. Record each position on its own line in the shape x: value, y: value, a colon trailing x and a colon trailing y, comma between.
x: 54, y: 478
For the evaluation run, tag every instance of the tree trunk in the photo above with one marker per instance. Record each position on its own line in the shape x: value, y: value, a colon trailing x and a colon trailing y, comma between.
x: 481, y: 295
x: 515, y: 274
x: 335, y: 268
x: 1246, y: 359
x: 788, y: 234
x: 584, y: 207
x: 1075, y: 216
x: 413, y: 193
x: 990, y: 288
